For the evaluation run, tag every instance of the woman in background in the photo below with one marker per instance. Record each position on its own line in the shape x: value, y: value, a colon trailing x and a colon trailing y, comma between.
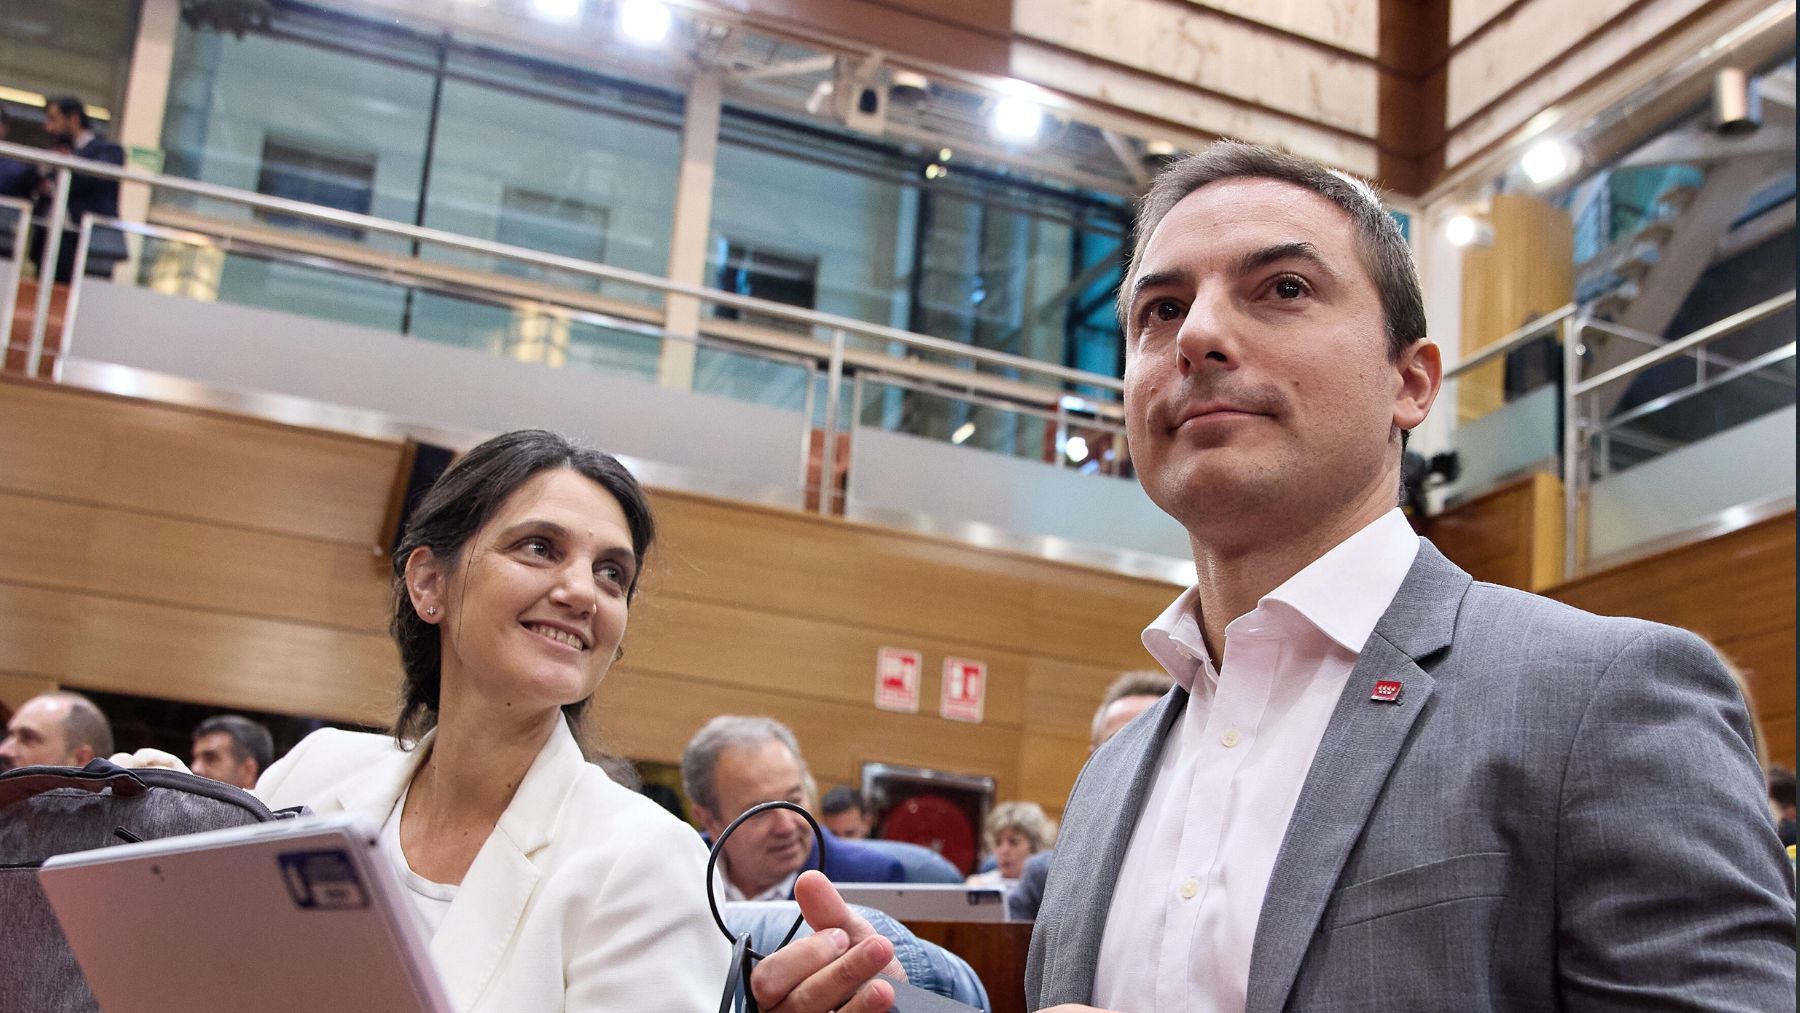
x: 1015, y: 831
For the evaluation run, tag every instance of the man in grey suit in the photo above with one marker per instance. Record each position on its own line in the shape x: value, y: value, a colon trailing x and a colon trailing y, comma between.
x: 1377, y: 785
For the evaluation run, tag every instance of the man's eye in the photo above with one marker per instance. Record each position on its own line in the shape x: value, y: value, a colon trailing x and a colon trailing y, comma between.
x: 1289, y: 288
x: 1166, y: 310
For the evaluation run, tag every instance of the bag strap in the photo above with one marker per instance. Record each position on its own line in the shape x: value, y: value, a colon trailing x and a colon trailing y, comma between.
x: 99, y: 775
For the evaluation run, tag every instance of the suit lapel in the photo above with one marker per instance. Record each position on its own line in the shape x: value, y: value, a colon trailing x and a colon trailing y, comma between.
x: 1361, y: 743
x: 372, y: 794
x: 1092, y: 868
x: 491, y: 900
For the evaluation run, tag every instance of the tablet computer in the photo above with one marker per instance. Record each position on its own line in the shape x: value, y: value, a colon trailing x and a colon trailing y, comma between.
x: 296, y: 915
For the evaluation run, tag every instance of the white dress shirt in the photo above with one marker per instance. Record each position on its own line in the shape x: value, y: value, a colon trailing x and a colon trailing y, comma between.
x: 1183, y: 917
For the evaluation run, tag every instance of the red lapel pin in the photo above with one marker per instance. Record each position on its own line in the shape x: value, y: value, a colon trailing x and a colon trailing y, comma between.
x: 1386, y: 691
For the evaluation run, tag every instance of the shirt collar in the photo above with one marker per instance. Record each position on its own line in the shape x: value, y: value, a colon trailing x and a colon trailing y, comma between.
x: 780, y: 891
x: 1343, y: 594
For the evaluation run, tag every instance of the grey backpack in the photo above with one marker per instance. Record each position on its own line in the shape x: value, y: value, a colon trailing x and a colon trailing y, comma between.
x: 46, y: 811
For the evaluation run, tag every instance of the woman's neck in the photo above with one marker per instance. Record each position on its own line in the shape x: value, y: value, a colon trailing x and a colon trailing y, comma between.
x: 477, y: 762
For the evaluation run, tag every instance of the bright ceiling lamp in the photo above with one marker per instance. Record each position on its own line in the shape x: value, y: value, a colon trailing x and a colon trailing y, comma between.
x: 645, y: 22
x: 1077, y: 449
x: 1548, y: 161
x: 1464, y: 229
x: 557, y: 10
x: 1017, y: 120
x: 963, y: 432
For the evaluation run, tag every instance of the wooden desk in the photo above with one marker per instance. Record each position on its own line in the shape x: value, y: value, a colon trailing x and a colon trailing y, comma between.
x: 996, y: 950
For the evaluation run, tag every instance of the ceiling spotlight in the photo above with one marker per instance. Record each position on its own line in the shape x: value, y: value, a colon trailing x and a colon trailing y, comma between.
x: 936, y: 171
x: 1464, y: 229
x: 944, y: 154
x: 1548, y: 161
x: 645, y: 21
x: 1736, y: 110
x: 909, y: 87
x: 1076, y: 448
x: 1017, y: 120
x: 963, y: 432
x: 557, y: 10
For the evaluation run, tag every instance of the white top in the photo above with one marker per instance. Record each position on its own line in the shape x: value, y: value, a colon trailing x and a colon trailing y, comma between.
x: 586, y: 898
x: 430, y: 899
x: 780, y: 891
x: 1183, y: 917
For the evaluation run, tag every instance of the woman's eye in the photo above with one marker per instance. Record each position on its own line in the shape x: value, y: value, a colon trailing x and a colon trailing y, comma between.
x: 536, y: 546
x: 611, y: 572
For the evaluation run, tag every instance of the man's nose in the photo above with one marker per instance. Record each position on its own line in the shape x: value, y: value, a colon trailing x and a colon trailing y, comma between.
x: 1207, y: 335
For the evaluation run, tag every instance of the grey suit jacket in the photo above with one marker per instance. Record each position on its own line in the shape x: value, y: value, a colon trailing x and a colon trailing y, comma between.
x: 1562, y: 812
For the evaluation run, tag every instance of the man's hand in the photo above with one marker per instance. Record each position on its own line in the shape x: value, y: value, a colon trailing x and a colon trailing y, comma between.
x: 835, y: 968
x: 148, y: 757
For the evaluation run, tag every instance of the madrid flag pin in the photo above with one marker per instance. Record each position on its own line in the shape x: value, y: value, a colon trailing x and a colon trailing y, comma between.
x: 1386, y: 691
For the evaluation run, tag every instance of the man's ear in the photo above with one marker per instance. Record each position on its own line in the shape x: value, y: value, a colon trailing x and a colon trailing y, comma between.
x: 81, y: 755
x: 425, y: 583
x: 1421, y: 369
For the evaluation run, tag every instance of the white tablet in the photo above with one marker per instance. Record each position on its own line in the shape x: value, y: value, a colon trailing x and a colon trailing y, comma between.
x: 294, y: 916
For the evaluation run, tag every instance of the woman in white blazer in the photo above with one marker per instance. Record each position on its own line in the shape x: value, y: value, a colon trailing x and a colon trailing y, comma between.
x: 544, y: 885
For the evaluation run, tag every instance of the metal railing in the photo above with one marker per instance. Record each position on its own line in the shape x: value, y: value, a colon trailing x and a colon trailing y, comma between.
x: 1581, y: 418
x: 893, y: 354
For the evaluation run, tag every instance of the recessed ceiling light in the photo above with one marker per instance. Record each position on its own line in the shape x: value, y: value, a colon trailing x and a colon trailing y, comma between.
x: 645, y: 21
x: 1017, y: 119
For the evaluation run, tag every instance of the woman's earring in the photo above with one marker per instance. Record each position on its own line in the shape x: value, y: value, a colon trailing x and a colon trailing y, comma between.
x: 431, y: 610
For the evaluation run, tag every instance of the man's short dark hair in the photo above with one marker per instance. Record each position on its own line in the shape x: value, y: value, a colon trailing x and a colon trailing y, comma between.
x: 841, y: 799
x: 1137, y: 682
x: 72, y: 107
x: 85, y: 725
x: 1382, y: 249
x: 1781, y: 786
x: 249, y: 739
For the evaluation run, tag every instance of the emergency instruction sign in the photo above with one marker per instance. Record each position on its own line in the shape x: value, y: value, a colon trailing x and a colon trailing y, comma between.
x: 897, y: 679
x: 964, y: 691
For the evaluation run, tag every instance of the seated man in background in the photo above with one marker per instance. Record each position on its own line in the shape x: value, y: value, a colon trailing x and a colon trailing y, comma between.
x: 735, y: 763
x: 1130, y: 694
x: 233, y: 749
x: 843, y: 814
x: 55, y: 729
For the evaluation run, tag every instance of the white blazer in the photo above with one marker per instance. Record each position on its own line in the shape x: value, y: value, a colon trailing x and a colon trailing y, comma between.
x: 587, y: 896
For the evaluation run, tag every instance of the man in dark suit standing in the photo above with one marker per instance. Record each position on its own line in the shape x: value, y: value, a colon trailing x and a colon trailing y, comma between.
x: 1378, y: 784
x: 67, y: 122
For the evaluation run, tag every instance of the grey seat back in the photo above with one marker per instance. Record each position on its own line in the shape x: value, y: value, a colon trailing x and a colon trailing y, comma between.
x: 48, y: 811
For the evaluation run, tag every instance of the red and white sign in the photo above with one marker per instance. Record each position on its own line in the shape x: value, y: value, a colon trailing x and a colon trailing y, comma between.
x: 897, y: 679
x: 965, y: 689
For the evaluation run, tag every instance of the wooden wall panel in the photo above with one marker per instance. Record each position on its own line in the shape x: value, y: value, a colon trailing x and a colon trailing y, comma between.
x: 53, y: 543
x: 140, y: 560
x: 200, y: 465
x: 16, y: 688
x: 1526, y: 273
x: 1512, y: 535
x: 1736, y: 590
x: 651, y: 716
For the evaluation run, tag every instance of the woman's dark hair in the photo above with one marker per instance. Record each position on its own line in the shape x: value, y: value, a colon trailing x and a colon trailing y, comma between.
x: 464, y: 498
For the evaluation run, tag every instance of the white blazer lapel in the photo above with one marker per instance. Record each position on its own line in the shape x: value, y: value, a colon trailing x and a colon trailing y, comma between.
x: 491, y: 900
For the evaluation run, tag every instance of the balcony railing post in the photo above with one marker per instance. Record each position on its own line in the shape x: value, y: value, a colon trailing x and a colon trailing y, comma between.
x: 834, y: 385
x: 53, y: 235
x: 9, y: 303
x: 83, y: 244
x: 1573, y: 444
